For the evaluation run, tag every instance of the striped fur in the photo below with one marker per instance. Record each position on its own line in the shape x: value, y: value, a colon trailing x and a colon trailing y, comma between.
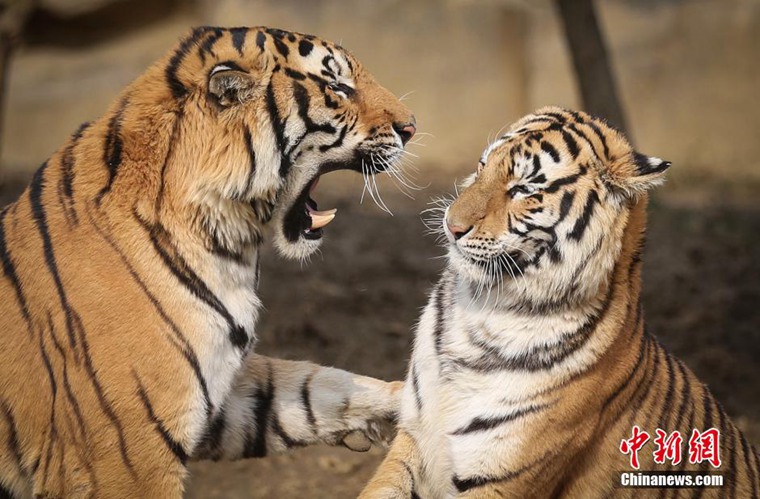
x: 130, y: 270
x: 531, y: 361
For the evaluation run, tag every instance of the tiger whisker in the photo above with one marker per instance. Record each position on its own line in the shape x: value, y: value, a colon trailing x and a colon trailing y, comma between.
x: 424, y: 134
x: 364, y: 177
x: 406, y: 95
x: 381, y: 204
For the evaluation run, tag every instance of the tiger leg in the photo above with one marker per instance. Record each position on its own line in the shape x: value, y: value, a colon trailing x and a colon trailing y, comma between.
x: 394, y: 479
x: 276, y: 405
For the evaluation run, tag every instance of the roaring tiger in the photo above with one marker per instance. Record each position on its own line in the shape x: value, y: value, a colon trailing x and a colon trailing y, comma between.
x: 531, y: 362
x: 130, y: 268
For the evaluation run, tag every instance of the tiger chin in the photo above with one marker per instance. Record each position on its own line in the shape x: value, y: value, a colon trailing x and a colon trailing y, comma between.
x: 128, y: 293
x: 531, y: 363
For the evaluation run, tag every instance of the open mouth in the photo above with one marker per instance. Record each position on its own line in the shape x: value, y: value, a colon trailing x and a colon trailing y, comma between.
x: 304, y: 219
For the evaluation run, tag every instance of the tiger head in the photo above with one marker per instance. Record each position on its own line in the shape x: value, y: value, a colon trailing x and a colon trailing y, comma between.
x: 543, y: 217
x: 267, y: 112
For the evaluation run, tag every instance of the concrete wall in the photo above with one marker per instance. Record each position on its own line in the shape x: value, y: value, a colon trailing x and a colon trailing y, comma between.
x: 687, y: 71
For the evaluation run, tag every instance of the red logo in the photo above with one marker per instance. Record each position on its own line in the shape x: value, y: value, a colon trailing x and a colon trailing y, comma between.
x: 667, y: 448
x: 634, y: 444
x: 705, y: 446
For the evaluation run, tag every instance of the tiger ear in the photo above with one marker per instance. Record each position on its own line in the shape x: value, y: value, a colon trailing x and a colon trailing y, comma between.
x: 637, y: 174
x: 648, y: 171
x: 229, y: 85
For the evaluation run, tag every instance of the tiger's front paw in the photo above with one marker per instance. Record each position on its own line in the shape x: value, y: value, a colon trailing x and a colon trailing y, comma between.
x: 371, y: 416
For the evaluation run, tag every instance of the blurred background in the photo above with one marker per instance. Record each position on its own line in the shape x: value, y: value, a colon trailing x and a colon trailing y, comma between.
x: 681, y: 76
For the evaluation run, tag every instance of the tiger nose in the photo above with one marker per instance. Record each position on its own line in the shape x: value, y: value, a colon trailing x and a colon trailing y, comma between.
x: 405, y: 130
x: 458, y: 231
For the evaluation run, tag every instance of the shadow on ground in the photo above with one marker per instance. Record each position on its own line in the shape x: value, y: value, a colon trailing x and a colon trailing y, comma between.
x: 353, y: 307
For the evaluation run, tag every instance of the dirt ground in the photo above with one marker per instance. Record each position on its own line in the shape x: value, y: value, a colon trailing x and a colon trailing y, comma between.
x: 354, y: 306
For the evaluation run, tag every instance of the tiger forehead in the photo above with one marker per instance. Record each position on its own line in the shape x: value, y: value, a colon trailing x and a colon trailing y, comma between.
x: 510, y: 147
x: 290, y: 49
x: 316, y: 55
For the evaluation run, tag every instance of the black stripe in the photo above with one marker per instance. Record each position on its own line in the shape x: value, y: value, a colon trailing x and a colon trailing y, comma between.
x: 263, y: 209
x: 67, y: 172
x: 12, y: 435
x: 172, y: 79
x: 539, y: 358
x: 727, y: 429
x: 561, y: 118
x: 536, y: 166
x: 278, y: 126
x: 256, y: 445
x: 466, y: 484
x: 416, y: 388
x: 9, y: 270
x: 104, y: 403
x: 306, y: 402
x: 5, y: 493
x: 595, y: 128
x: 112, y: 148
x: 251, y: 157
x: 301, y: 96
x: 281, y: 46
x: 211, y: 446
x: 667, y: 409
x: 479, y: 424
x: 653, y: 372
x: 572, y: 145
x: 560, y: 182
x: 221, y: 250
x: 38, y: 212
x: 749, y: 469
x: 260, y: 39
x: 577, y: 131
x: 238, y: 39
x: 565, y: 204
x: 171, y: 443
x: 438, y: 328
x: 54, y: 394
x: 685, y: 395
x: 622, y: 386
x: 82, y: 426
x: 207, y: 47
x: 536, y: 119
x: 161, y: 241
x: 182, y: 345
x: 286, y: 439
x: 337, y: 142
x: 582, y: 223
x: 173, y: 139
x: 550, y: 150
x: 296, y: 75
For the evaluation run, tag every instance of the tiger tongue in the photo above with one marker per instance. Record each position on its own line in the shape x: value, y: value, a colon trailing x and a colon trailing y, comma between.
x: 320, y: 218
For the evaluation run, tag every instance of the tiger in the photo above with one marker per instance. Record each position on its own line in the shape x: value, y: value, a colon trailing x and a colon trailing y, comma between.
x: 531, y: 362
x: 130, y: 267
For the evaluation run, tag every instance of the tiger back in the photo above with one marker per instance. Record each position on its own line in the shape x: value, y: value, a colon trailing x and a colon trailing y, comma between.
x: 128, y: 293
x: 532, y: 368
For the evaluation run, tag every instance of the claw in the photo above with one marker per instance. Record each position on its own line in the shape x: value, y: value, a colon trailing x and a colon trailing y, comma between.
x: 356, y: 441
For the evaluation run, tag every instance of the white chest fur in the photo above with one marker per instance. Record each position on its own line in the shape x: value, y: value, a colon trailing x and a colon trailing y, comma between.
x: 448, y: 407
x: 233, y: 286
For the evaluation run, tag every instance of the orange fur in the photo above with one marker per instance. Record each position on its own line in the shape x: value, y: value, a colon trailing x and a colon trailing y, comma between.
x: 130, y: 267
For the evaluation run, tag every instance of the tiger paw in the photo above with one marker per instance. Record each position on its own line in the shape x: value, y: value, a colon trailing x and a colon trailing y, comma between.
x: 371, y: 416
